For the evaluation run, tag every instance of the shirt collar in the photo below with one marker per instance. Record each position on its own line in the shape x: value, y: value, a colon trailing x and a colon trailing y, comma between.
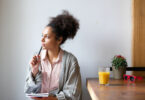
x: 44, y: 55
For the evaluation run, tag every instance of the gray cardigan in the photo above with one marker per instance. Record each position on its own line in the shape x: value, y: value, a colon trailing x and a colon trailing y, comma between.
x: 69, y: 80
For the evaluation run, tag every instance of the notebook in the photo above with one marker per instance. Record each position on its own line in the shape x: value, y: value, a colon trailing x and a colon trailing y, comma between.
x: 37, y: 95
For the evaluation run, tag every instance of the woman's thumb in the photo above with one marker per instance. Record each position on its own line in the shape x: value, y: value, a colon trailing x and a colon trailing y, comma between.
x: 39, y: 58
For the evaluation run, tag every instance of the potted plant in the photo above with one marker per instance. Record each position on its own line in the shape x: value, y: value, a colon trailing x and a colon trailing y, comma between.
x: 119, y: 65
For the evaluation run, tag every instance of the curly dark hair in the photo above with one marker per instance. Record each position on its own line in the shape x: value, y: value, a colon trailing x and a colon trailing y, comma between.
x: 64, y: 25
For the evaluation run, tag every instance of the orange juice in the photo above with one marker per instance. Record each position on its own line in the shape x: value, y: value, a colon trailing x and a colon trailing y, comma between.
x: 104, y: 77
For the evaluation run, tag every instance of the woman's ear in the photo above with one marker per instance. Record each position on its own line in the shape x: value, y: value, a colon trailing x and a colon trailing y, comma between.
x: 60, y: 40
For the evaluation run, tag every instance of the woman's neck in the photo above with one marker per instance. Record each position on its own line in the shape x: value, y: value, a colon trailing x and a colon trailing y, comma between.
x: 53, y: 54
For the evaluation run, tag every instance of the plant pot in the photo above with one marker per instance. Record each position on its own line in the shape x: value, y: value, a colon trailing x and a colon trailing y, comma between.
x: 118, y: 73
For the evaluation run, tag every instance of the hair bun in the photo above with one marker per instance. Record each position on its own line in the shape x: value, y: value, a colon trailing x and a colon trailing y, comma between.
x: 64, y: 25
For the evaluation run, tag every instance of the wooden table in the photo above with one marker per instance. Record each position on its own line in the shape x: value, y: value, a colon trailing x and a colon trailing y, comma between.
x: 116, y: 90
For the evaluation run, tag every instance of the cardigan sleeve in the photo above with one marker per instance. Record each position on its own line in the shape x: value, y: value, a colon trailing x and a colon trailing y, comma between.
x: 32, y: 84
x: 72, y: 89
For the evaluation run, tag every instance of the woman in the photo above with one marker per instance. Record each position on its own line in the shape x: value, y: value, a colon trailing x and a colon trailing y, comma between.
x: 56, y: 71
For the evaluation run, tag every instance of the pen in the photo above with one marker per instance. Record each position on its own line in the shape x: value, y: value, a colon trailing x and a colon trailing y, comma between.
x: 39, y: 54
x: 40, y: 50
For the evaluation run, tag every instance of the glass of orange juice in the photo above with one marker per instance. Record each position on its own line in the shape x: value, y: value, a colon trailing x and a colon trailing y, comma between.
x: 104, y: 73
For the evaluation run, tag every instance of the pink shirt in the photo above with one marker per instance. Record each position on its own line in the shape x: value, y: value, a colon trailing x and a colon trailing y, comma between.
x: 50, y: 73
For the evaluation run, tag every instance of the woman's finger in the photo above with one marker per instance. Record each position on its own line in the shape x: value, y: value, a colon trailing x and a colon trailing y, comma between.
x: 39, y: 59
x: 35, y: 59
x: 33, y: 63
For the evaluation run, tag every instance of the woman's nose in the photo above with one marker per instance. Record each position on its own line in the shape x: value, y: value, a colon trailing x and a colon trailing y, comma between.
x: 42, y: 39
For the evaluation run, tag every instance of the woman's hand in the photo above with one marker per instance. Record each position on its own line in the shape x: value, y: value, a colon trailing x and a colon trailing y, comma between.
x: 44, y: 98
x: 34, y: 63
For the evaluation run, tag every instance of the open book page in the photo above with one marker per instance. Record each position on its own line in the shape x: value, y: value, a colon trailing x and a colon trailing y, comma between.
x: 37, y: 95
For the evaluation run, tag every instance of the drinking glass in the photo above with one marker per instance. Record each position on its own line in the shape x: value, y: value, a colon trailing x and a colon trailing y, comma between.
x: 104, y: 73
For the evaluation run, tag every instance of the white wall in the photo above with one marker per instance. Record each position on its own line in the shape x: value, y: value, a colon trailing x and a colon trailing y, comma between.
x: 105, y: 30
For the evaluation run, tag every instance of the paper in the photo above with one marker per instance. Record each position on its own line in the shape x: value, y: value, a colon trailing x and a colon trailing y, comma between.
x: 37, y: 95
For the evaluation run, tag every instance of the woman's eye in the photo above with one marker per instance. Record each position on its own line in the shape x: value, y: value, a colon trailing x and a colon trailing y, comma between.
x: 47, y: 37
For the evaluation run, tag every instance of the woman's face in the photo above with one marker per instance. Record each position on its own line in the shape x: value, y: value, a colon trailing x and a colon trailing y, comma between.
x: 48, y: 39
